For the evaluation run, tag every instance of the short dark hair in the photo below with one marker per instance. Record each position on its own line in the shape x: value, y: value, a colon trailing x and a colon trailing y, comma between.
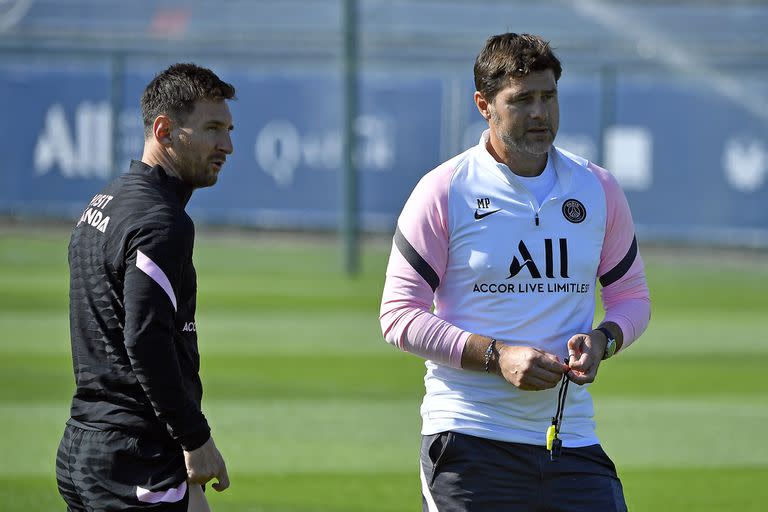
x: 512, y: 55
x: 175, y: 91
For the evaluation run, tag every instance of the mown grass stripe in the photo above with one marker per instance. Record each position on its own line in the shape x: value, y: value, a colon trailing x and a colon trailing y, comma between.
x: 315, y: 412
x: 391, y: 374
x: 371, y: 436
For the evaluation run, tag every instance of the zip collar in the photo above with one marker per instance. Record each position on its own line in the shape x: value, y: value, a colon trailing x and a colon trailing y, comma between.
x: 160, y: 176
x: 562, y: 161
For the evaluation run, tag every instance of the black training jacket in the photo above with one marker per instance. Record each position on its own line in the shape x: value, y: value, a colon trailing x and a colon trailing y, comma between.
x: 132, y: 310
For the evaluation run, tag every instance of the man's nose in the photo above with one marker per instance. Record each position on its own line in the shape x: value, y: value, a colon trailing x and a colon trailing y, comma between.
x: 225, y: 144
x: 538, y: 109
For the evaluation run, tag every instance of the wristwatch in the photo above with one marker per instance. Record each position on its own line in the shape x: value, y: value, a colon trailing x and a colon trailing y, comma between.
x: 610, y: 346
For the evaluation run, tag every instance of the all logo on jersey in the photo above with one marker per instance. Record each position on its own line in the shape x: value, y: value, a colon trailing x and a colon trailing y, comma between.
x: 189, y: 327
x: 554, y: 269
x: 574, y: 211
x: 526, y: 261
x: 483, y: 204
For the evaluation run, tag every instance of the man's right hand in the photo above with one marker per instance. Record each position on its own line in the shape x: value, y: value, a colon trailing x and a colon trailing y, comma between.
x: 206, y: 463
x: 529, y: 368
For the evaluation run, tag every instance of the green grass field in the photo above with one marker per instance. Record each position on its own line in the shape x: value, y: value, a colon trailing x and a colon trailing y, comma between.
x: 315, y: 412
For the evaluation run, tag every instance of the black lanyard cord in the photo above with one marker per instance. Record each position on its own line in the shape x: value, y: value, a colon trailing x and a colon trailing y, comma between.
x: 561, y: 394
x: 554, y: 444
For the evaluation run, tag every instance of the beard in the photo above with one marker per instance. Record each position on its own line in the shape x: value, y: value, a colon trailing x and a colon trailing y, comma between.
x: 519, y: 143
x: 193, y: 169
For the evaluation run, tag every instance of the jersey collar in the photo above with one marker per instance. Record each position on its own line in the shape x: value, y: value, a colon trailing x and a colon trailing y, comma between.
x: 555, y: 158
x: 160, y: 176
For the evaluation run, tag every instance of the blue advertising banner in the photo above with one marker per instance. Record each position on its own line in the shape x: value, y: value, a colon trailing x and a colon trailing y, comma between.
x: 285, y: 168
x: 692, y: 157
x: 694, y: 160
x: 54, y: 133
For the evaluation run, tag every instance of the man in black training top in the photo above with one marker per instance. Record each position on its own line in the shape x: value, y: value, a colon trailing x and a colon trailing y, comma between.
x: 137, y: 438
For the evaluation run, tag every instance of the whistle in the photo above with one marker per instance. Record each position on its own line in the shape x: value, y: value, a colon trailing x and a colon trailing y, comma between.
x: 551, y: 435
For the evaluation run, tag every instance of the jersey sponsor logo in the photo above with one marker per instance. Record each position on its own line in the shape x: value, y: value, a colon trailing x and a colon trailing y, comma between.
x: 93, y: 216
x: 528, y: 262
x: 484, y: 203
x: 555, y: 270
x: 574, y: 211
x: 189, y: 327
x: 524, y: 288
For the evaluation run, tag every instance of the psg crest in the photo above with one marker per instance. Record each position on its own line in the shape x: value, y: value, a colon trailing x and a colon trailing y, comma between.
x: 574, y: 211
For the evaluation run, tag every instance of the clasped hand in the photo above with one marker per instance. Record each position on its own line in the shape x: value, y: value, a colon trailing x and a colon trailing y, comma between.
x: 533, y: 369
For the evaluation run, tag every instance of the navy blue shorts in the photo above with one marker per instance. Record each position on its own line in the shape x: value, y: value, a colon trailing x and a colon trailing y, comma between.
x: 462, y: 473
x: 106, y: 470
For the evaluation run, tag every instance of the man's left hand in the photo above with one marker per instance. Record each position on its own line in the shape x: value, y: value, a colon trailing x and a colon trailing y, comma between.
x: 206, y: 463
x: 585, y: 352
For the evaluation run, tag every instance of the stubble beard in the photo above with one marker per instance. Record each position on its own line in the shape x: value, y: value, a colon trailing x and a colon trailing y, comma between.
x: 519, y: 145
x: 197, y: 171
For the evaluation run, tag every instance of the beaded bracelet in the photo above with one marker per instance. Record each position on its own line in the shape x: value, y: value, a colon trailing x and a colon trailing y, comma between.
x: 489, y: 354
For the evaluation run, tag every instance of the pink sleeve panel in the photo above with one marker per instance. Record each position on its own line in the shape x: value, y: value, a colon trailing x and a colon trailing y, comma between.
x: 417, y: 263
x: 625, y: 293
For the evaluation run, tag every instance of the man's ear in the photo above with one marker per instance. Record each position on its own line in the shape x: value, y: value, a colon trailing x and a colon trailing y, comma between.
x: 161, y: 130
x: 483, y: 106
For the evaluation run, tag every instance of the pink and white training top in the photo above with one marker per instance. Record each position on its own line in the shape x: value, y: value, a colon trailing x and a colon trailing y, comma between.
x: 473, y: 241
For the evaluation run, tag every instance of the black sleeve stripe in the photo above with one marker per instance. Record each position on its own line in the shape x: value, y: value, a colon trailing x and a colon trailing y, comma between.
x: 622, y: 267
x: 417, y: 262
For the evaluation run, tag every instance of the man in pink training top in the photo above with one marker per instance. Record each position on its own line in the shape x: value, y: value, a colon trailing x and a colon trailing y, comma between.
x: 507, y: 241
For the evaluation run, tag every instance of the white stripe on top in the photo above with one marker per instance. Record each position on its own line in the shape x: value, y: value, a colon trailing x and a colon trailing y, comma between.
x: 151, y: 268
x: 172, y: 495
